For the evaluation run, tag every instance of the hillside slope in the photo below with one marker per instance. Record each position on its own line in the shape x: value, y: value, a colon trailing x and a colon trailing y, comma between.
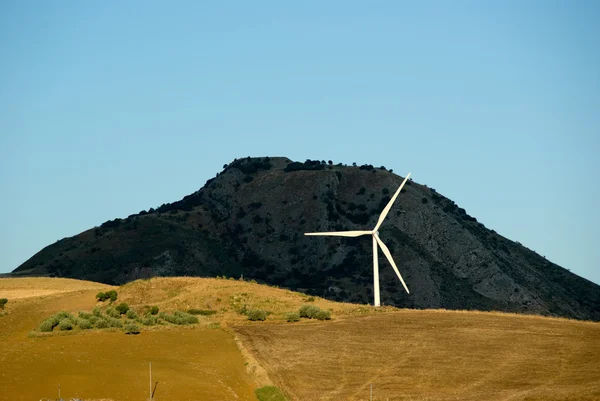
x: 402, y: 353
x: 249, y: 221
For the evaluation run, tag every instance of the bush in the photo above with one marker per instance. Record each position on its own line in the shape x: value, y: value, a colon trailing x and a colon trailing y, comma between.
x: 112, y: 312
x: 131, y: 328
x: 203, y: 312
x: 65, y: 324
x: 179, y: 317
x: 103, y: 296
x: 114, y: 322
x: 154, y: 310
x: 3, y: 301
x: 85, y: 315
x: 323, y: 315
x: 257, y: 314
x: 310, y: 299
x: 269, y: 393
x: 112, y: 294
x: 63, y: 315
x: 292, y: 317
x: 97, y: 311
x: 102, y: 324
x: 88, y: 316
x: 47, y: 325
x: 308, y: 311
x: 84, y: 324
x: 122, y: 308
x: 131, y: 314
x: 149, y: 320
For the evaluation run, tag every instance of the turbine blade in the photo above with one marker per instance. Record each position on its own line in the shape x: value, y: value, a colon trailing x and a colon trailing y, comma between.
x: 389, y: 205
x: 388, y: 255
x: 342, y: 233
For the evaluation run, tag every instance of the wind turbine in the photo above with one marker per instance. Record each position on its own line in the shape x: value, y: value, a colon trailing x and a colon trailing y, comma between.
x: 376, y: 242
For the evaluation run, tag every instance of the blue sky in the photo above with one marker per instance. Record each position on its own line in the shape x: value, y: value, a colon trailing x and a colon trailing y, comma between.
x: 109, y: 108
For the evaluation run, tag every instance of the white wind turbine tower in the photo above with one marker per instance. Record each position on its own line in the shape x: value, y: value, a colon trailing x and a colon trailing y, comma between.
x: 376, y: 242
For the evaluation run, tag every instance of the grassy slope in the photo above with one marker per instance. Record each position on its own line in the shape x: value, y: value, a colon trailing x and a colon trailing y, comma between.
x: 406, y: 354
x: 432, y: 355
x: 189, y: 364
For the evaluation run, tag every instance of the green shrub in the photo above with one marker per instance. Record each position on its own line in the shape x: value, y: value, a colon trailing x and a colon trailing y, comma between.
x: 3, y: 301
x: 63, y: 315
x: 131, y: 328
x: 308, y: 311
x: 114, y: 322
x: 131, y: 314
x: 269, y: 393
x: 112, y: 312
x: 85, y: 315
x: 97, y: 311
x: 154, y: 310
x: 292, y: 317
x: 179, y: 317
x: 310, y: 299
x: 101, y: 296
x: 149, y: 320
x: 65, y: 324
x: 213, y: 325
x: 323, y: 315
x: 122, y: 308
x: 84, y: 324
x: 47, y: 325
x: 102, y: 324
x: 257, y: 314
x: 112, y: 294
x: 203, y: 312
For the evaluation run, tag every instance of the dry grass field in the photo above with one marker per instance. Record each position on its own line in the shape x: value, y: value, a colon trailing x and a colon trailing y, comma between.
x: 27, y: 287
x: 432, y: 355
x: 189, y: 364
x: 405, y: 354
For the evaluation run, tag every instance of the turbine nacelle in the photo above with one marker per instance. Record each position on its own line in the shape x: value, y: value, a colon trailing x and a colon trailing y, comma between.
x: 376, y: 243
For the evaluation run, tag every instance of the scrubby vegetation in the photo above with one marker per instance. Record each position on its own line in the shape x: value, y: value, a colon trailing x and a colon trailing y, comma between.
x: 292, y: 317
x: 131, y: 328
x: 121, y: 316
x: 256, y: 314
x: 314, y: 312
x: 122, y: 308
x: 308, y: 311
x: 103, y: 296
x: 84, y: 324
x: 269, y: 393
x: 150, y: 320
x: 323, y: 315
x: 112, y: 312
x: 179, y: 318
x: 3, y: 302
x: 65, y: 324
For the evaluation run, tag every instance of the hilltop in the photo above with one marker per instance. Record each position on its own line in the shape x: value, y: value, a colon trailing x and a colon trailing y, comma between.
x: 249, y: 221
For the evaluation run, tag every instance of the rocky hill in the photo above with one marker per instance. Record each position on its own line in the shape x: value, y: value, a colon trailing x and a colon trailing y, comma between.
x: 249, y: 220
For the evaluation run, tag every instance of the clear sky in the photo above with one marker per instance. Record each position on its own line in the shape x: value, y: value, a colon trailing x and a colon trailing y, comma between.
x: 108, y: 108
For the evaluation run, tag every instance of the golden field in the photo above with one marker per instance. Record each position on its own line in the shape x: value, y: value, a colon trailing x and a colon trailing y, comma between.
x: 405, y: 354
